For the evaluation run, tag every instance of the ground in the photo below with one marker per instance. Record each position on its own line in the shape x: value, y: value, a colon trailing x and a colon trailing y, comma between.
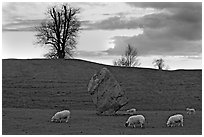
x: 34, y: 90
x: 37, y: 122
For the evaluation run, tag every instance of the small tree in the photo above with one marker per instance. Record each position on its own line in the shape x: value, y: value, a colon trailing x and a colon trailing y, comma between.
x: 159, y: 63
x: 130, y: 59
x: 120, y: 62
x: 59, y: 31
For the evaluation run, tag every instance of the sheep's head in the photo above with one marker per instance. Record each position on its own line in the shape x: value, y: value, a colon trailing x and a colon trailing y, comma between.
x: 53, y: 119
x: 187, y: 108
x: 168, y: 123
x: 126, y: 124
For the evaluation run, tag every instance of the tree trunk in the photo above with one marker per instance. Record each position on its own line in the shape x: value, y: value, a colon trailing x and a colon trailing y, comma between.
x: 61, y: 54
x: 160, y: 68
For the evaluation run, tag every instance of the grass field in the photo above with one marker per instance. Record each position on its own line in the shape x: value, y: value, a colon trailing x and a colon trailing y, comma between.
x: 33, y: 90
x: 37, y: 121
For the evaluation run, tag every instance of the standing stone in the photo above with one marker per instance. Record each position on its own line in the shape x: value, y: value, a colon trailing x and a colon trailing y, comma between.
x: 106, y: 93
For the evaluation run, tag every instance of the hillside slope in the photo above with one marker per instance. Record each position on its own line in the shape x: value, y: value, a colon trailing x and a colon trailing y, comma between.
x: 63, y: 84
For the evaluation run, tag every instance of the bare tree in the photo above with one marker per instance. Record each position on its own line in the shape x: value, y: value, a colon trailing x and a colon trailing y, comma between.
x: 59, y: 31
x: 130, y: 59
x: 159, y: 63
x: 120, y: 62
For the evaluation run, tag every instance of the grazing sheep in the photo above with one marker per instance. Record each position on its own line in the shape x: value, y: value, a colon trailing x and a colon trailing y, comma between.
x: 65, y: 114
x: 175, y: 120
x: 136, y: 119
x: 190, y: 111
x: 131, y: 111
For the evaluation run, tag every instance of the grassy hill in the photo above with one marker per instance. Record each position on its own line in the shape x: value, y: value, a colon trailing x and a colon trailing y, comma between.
x: 62, y: 84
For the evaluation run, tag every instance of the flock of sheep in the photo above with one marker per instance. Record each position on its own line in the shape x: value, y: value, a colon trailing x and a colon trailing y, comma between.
x: 174, y: 120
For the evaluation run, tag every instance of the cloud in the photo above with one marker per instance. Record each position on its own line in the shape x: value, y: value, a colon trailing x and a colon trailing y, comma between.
x: 114, y: 23
x: 83, y: 53
x: 177, y: 30
x: 156, y: 45
x: 22, y: 16
x: 167, y: 28
x: 90, y: 11
x: 167, y: 5
x: 172, y: 27
x: 21, y: 25
x: 179, y: 19
x: 153, y: 43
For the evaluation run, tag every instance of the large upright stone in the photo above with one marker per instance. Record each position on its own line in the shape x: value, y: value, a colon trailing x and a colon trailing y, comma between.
x: 106, y: 93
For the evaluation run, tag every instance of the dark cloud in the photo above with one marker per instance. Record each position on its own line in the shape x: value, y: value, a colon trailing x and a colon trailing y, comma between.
x: 184, y: 19
x: 106, y: 14
x: 113, y: 23
x: 19, y: 29
x: 177, y: 31
x: 89, y: 4
x: 22, y: 25
x: 172, y: 27
x: 157, y: 45
x: 180, y: 20
x: 29, y: 25
x: 167, y: 5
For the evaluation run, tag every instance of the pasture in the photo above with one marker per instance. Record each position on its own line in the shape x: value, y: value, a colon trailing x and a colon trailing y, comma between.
x: 37, y: 122
x: 33, y: 90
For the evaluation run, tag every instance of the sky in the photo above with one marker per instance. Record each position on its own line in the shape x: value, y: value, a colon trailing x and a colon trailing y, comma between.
x: 168, y: 30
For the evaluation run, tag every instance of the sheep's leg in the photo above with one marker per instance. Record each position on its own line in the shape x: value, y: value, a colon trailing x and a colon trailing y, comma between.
x: 142, y: 125
x: 132, y: 125
x: 67, y: 119
x: 129, y: 124
x: 182, y: 123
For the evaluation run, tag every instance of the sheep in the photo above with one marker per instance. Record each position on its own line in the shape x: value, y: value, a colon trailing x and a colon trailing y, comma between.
x: 65, y: 114
x: 131, y: 111
x: 190, y: 111
x: 135, y: 119
x: 175, y: 120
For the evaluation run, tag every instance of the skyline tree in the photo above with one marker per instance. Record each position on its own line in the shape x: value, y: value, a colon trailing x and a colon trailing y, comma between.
x: 129, y: 59
x: 59, y: 31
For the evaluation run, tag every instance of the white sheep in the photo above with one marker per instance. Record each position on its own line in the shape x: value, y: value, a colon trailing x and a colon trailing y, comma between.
x: 65, y: 114
x: 131, y: 111
x: 136, y: 119
x: 190, y: 111
x: 175, y: 120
